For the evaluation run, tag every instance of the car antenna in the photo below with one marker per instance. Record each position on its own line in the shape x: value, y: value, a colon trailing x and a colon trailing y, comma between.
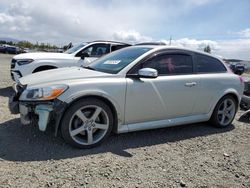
x: 170, y: 40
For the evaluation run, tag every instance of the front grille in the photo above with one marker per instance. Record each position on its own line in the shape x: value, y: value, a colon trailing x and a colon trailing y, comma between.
x: 13, y: 63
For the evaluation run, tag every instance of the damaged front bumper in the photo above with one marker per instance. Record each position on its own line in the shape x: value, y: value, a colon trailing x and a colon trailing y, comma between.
x: 40, y: 113
x: 15, y: 75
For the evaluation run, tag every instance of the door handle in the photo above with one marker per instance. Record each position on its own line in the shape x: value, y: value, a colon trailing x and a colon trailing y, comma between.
x: 190, y: 84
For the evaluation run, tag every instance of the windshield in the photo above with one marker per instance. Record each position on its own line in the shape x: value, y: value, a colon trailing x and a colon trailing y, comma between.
x: 116, y: 61
x: 75, y: 48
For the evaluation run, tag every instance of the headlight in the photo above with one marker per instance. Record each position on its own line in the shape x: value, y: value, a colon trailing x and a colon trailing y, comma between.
x: 43, y: 93
x: 24, y: 61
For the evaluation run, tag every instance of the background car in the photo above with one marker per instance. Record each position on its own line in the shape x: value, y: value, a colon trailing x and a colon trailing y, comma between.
x: 2, y: 48
x: 12, y: 50
x: 78, y: 55
x: 132, y: 89
x: 245, y: 101
x: 237, y: 68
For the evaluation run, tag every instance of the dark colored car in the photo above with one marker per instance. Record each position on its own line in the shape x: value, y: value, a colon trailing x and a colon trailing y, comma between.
x: 2, y: 49
x: 245, y: 100
x: 237, y: 68
x: 12, y: 50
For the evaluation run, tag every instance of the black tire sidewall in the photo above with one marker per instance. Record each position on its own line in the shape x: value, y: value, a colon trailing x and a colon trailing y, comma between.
x: 76, y: 106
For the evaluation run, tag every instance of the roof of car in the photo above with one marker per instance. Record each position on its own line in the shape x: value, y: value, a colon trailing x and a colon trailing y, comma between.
x: 150, y: 43
x: 109, y: 41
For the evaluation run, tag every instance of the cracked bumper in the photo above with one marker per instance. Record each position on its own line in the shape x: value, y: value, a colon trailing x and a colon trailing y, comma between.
x: 41, y: 113
x: 15, y: 75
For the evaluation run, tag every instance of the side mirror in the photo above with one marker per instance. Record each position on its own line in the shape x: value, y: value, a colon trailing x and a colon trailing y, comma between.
x: 148, y: 73
x: 84, y: 54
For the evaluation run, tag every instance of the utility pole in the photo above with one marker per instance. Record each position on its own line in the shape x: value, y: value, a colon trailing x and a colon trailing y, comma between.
x: 170, y: 40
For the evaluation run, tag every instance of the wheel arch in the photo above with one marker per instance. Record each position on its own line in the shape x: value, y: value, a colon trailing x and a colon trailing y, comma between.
x: 214, y: 117
x: 44, y: 67
x: 101, y: 98
x: 234, y: 96
x: 231, y: 93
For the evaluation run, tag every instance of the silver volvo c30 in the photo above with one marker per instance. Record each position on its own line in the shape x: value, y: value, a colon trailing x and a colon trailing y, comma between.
x: 132, y: 89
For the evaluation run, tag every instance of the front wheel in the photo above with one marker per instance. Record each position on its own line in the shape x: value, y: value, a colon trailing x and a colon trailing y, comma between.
x: 87, y: 123
x: 224, y: 112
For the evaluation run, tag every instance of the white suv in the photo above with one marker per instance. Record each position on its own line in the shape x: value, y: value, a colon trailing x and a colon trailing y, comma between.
x: 84, y: 53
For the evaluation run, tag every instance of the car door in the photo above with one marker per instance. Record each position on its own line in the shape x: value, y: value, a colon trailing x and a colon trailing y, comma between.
x: 172, y: 94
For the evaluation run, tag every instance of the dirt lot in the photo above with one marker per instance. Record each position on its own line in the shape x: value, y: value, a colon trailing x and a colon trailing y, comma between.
x: 187, y: 156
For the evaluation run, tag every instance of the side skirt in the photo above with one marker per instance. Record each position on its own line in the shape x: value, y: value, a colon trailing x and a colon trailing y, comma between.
x: 163, y: 123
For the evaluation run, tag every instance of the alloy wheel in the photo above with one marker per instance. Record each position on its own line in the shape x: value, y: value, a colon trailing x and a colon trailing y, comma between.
x: 89, y: 125
x: 226, y: 111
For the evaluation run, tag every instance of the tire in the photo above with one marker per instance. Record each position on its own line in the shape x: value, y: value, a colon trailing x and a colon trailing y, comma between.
x: 87, y: 123
x: 224, y: 112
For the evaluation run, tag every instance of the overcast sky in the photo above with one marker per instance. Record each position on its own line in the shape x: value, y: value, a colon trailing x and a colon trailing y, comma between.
x: 223, y: 24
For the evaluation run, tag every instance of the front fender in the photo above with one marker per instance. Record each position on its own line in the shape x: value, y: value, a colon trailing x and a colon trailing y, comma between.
x: 98, y: 93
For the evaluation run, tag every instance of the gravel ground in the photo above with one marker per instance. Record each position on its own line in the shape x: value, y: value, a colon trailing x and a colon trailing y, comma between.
x: 197, y: 155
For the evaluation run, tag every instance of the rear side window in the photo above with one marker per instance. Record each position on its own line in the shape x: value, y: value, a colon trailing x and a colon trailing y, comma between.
x: 118, y: 47
x: 170, y: 64
x: 95, y: 50
x: 206, y: 64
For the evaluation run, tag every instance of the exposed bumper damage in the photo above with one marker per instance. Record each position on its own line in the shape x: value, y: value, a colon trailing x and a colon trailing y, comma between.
x: 38, y: 113
x: 15, y: 75
x: 43, y: 112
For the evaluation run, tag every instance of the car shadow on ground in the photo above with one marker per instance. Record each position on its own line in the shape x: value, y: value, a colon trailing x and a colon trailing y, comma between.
x: 26, y: 143
x: 245, y: 118
x: 6, y: 92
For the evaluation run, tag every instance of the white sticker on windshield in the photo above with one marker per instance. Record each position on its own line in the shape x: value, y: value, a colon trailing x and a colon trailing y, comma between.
x: 112, y: 62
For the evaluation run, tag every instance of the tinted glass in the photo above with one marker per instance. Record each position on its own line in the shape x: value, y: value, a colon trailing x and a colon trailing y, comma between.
x: 75, y: 48
x: 206, y: 64
x: 97, y: 50
x: 116, y: 61
x: 117, y: 47
x: 170, y: 64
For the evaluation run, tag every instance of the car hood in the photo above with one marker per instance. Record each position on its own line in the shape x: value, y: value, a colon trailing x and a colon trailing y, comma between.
x: 43, y: 55
x: 61, y: 74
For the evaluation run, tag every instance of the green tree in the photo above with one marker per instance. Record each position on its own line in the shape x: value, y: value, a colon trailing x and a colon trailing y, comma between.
x: 25, y: 44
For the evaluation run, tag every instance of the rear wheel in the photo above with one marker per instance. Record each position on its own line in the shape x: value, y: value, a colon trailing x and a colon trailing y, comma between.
x: 87, y: 123
x: 224, y: 112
